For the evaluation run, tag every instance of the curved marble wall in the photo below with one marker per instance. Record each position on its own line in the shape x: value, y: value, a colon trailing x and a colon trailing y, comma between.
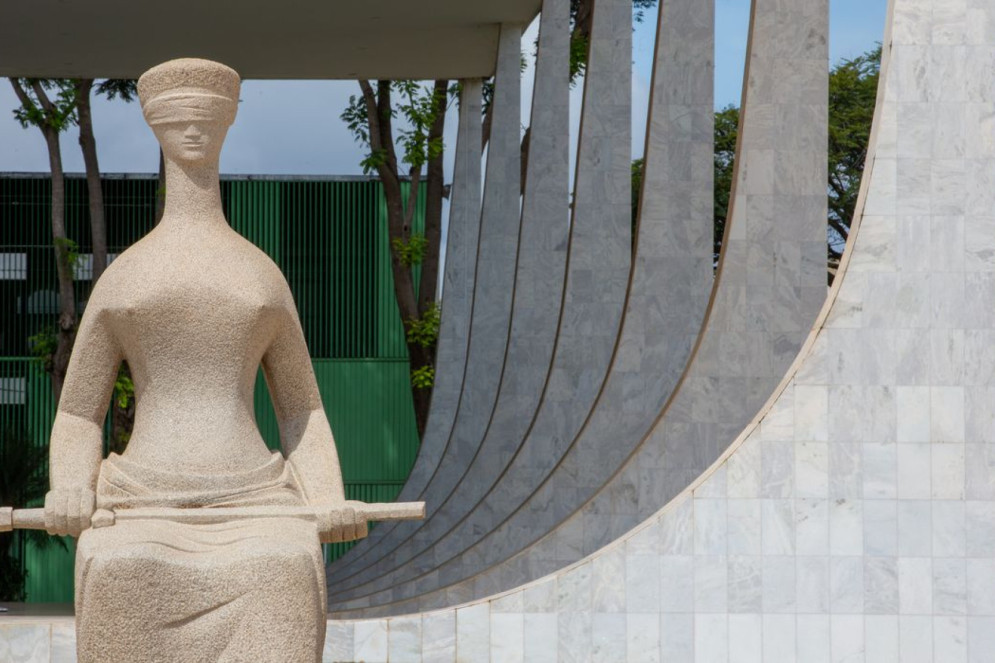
x: 539, y: 283
x: 854, y: 518
x: 599, y: 256
x: 770, y: 286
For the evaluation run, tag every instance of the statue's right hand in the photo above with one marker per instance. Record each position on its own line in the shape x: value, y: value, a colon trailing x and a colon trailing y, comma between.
x: 67, y: 512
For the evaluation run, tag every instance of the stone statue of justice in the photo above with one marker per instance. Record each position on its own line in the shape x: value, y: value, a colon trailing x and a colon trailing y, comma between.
x: 197, y: 543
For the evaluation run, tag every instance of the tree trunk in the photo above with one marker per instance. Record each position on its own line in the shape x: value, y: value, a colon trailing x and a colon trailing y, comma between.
x: 88, y: 144
x: 63, y: 265
x: 434, y: 189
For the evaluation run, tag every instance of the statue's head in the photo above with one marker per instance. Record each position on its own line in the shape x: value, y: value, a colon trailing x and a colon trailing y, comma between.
x: 189, y: 103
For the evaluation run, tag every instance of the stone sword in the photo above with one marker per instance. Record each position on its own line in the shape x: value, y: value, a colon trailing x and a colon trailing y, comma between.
x: 11, y: 519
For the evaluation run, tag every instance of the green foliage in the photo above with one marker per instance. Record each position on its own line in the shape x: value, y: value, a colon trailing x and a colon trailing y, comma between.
x: 410, y: 252
x: 70, y: 249
x: 124, y: 388
x: 62, y: 94
x: 23, y: 482
x: 726, y: 130
x: 43, y: 344
x: 853, y: 86
x: 417, y: 106
x: 424, y: 331
x: 126, y: 88
x: 423, y: 378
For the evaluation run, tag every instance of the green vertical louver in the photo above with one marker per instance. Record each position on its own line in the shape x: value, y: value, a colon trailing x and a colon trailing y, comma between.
x: 329, y: 237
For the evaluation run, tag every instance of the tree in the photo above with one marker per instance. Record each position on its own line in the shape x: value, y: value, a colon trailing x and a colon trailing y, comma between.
x: 416, y: 145
x: 127, y: 90
x: 52, y: 116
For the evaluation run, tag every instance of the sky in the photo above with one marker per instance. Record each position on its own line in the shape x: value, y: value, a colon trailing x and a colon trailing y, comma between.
x: 293, y: 127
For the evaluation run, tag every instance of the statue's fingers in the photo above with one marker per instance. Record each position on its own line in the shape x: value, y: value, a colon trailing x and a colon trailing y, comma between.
x: 51, y: 513
x: 72, y: 515
x: 86, y: 504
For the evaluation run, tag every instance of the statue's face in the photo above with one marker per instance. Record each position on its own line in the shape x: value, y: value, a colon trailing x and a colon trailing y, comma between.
x: 191, y: 141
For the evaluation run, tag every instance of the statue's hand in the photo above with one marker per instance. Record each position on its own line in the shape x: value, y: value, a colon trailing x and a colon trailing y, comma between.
x: 67, y: 512
x: 341, y: 521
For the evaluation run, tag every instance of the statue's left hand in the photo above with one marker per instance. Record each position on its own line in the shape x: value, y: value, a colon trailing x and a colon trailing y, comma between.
x: 341, y: 521
x: 68, y: 512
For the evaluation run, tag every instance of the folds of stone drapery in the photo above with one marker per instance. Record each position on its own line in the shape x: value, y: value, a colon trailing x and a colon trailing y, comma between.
x: 854, y: 516
x: 769, y: 287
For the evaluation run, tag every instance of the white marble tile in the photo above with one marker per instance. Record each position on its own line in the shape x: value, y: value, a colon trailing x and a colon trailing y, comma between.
x: 811, y: 469
x: 812, y: 585
x: 541, y: 637
x: 915, y: 528
x: 64, y: 643
x: 710, y: 583
x: 779, y: 584
x: 881, y: 634
x: 711, y: 638
x: 371, y: 640
x: 746, y: 639
x: 642, y: 637
x: 813, y: 642
x: 950, y: 639
x: 980, y: 577
x: 744, y: 526
x: 949, y: 586
x: 881, y: 528
x: 913, y: 414
x: 438, y: 636
x: 846, y: 527
x: 778, y: 522
x: 947, y: 476
x: 915, y: 638
x: 642, y: 577
x: 610, y: 642
x: 847, y: 638
x: 575, y: 640
x: 25, y: 643
x: 676, y: 584
x: 949, y: 533
x: 811, y: 527
x: 779, y: 636
x: 710, y: 530
x: 338, y: 642
x: 914, y: 470
x: 980, y: 639
x: 507, y: 637
x: 404, y: 639
x: 473, y: 637
x: 677, y: 637
x: 915, y: 585
x: 846, y: 585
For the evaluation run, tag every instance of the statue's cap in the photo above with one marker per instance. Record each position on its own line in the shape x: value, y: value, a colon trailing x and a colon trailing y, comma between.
x: 187, y: 74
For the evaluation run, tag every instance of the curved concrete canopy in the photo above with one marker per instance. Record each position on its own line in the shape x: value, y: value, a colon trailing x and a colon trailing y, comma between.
x: 290, y: 39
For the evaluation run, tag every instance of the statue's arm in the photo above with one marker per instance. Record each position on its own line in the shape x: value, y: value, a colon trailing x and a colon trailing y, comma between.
x: 76, y: 446
x: 305, y: 435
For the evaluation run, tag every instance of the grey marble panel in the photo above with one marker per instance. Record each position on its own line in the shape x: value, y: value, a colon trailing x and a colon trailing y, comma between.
x: 597, y: 270
x: 457, y: 302
x: 769, y: 288
x: 489, y: 316
x: 538, y: 291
